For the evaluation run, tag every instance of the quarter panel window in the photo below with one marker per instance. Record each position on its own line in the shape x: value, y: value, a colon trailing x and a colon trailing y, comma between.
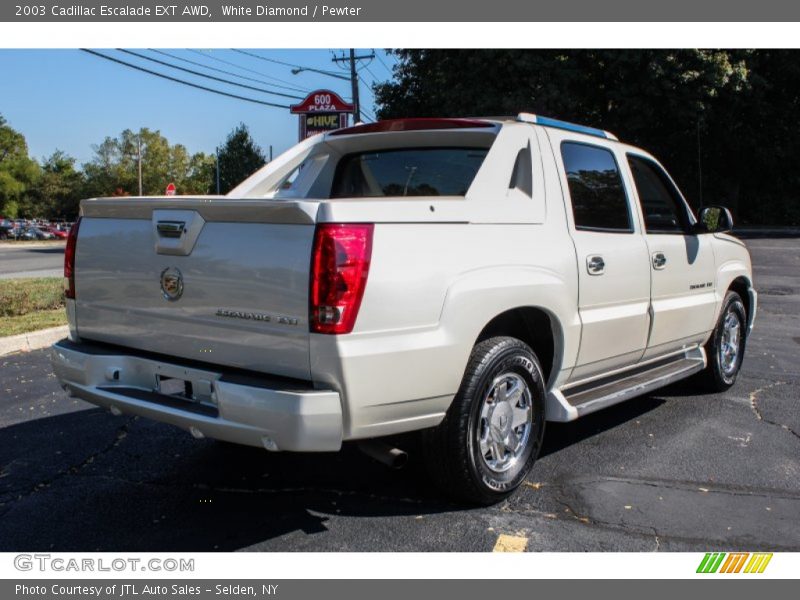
x: 522, y: 175
x: 598, y: 197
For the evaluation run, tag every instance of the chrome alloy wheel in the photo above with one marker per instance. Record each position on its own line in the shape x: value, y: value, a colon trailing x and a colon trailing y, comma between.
x: 506, y: 420
x: 729, y: 346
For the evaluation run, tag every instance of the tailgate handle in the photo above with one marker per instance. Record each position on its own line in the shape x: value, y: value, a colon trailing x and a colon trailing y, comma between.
x: 175, y: 232
x: 171, y: 229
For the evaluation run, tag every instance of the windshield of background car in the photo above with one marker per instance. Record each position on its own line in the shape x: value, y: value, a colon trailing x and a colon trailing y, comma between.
x: 429, y: 171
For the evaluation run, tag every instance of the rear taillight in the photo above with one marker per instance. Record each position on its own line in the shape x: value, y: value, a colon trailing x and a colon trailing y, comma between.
x: 69, y: 261
x: 339, y: 267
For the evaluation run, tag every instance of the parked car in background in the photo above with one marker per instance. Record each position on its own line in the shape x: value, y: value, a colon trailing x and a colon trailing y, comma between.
x: 31, y: 233
x: 57, y: 233
x: 6, y: 227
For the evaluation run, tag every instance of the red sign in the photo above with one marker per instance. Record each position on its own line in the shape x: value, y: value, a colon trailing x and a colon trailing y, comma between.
x: 322, y: 101
x: 321, y: 111
x: 171, y: 189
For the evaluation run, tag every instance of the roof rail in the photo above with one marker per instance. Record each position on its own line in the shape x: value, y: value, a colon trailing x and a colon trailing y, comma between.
x: 557, y: 124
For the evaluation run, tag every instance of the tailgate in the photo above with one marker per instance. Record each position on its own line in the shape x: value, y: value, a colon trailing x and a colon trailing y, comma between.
x: 220, y: 281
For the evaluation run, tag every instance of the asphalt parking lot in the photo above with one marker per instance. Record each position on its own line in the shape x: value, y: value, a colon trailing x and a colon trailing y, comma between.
x: 670, y: 471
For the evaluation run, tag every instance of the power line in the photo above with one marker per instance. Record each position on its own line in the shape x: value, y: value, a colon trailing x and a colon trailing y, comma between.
x: 285, y: 64
x: 380, y: 60
x: 212, y: 77
x: 367, y: 85
x: 232, y: 74
x: 368, y: 114
x: 302, y: 68
x: 353, y: 59
x: 289, y: 85
x: 181, y: 81
x: 374, y: 77
x: 364, y: 110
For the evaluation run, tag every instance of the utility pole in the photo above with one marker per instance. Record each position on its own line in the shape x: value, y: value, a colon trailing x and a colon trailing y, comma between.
x: 352, y: 58
x: 139, y: 145
x: 354, y: 86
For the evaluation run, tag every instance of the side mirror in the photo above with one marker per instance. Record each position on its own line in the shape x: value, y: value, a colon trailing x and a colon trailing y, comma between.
x: 714, y: 219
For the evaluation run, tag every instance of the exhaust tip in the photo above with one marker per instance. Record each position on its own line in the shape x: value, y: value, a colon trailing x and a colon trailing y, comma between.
x: 392, y: 457
x: 269, y: 443
x: 400, y: 458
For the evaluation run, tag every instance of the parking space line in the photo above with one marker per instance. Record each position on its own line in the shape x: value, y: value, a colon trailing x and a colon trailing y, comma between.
x: 510, y: 543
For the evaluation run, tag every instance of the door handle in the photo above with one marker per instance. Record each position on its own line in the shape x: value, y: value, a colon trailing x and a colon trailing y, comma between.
x: 659, y: 260
x: 595, y: 264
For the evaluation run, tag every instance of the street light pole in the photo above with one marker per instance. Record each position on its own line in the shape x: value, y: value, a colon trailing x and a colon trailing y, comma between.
x: 139, y: 156
x: 217, y: 161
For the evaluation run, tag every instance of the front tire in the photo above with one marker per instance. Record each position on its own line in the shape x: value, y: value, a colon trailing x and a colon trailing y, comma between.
x: 725, y: 349
x: 492, y: 433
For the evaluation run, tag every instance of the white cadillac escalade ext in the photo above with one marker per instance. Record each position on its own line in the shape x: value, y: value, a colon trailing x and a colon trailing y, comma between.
x: 468, y: 278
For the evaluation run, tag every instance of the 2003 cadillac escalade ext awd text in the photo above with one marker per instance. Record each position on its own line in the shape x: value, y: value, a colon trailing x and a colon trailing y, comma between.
x: 469, y: 278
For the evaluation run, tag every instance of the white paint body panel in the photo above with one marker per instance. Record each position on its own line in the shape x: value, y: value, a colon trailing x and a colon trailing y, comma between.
x: 682, y: 315
x: 441, y: 269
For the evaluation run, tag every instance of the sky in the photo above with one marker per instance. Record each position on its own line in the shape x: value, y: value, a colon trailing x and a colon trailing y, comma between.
x: 71, y: 100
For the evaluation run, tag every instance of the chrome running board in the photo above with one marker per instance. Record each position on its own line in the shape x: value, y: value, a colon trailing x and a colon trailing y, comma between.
x: 573, y: 402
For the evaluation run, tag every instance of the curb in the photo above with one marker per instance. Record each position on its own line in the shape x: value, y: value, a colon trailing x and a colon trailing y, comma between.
x: 33, y: 340
x: 33, y: 245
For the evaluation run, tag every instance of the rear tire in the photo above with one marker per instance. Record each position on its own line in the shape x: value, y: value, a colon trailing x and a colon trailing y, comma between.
x: 492, y: 433
x: 725, y: 349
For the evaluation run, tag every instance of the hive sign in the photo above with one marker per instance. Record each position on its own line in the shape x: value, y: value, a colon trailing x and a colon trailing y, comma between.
x: 321, y: 111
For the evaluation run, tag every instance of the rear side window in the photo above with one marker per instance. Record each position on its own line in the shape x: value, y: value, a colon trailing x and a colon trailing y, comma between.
x: 596, y: 190
x: 663, y: 208
x: 407, y: 172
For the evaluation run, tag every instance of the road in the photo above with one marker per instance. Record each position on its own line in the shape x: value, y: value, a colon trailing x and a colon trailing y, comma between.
x: 670, y: 471
x: 23, y: 259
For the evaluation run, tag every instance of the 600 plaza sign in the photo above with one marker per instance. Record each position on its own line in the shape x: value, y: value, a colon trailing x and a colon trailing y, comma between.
x: 320, y: 112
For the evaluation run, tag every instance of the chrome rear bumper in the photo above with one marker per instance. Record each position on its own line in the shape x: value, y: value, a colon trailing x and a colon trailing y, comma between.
x: 275, y: 414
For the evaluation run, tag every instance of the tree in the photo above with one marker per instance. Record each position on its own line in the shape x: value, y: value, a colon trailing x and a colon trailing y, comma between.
x: 720, y: 120
x: 238, y: 158
x: 202, y: 174
x: 112, y: 167
x: 18, y: 171
x: 58, y: 190
x: 751, y: 142
x: 114, y: 170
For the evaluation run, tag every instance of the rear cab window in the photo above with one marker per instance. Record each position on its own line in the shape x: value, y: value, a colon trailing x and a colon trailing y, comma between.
x: 376, y: 165
x: 402, y: 172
